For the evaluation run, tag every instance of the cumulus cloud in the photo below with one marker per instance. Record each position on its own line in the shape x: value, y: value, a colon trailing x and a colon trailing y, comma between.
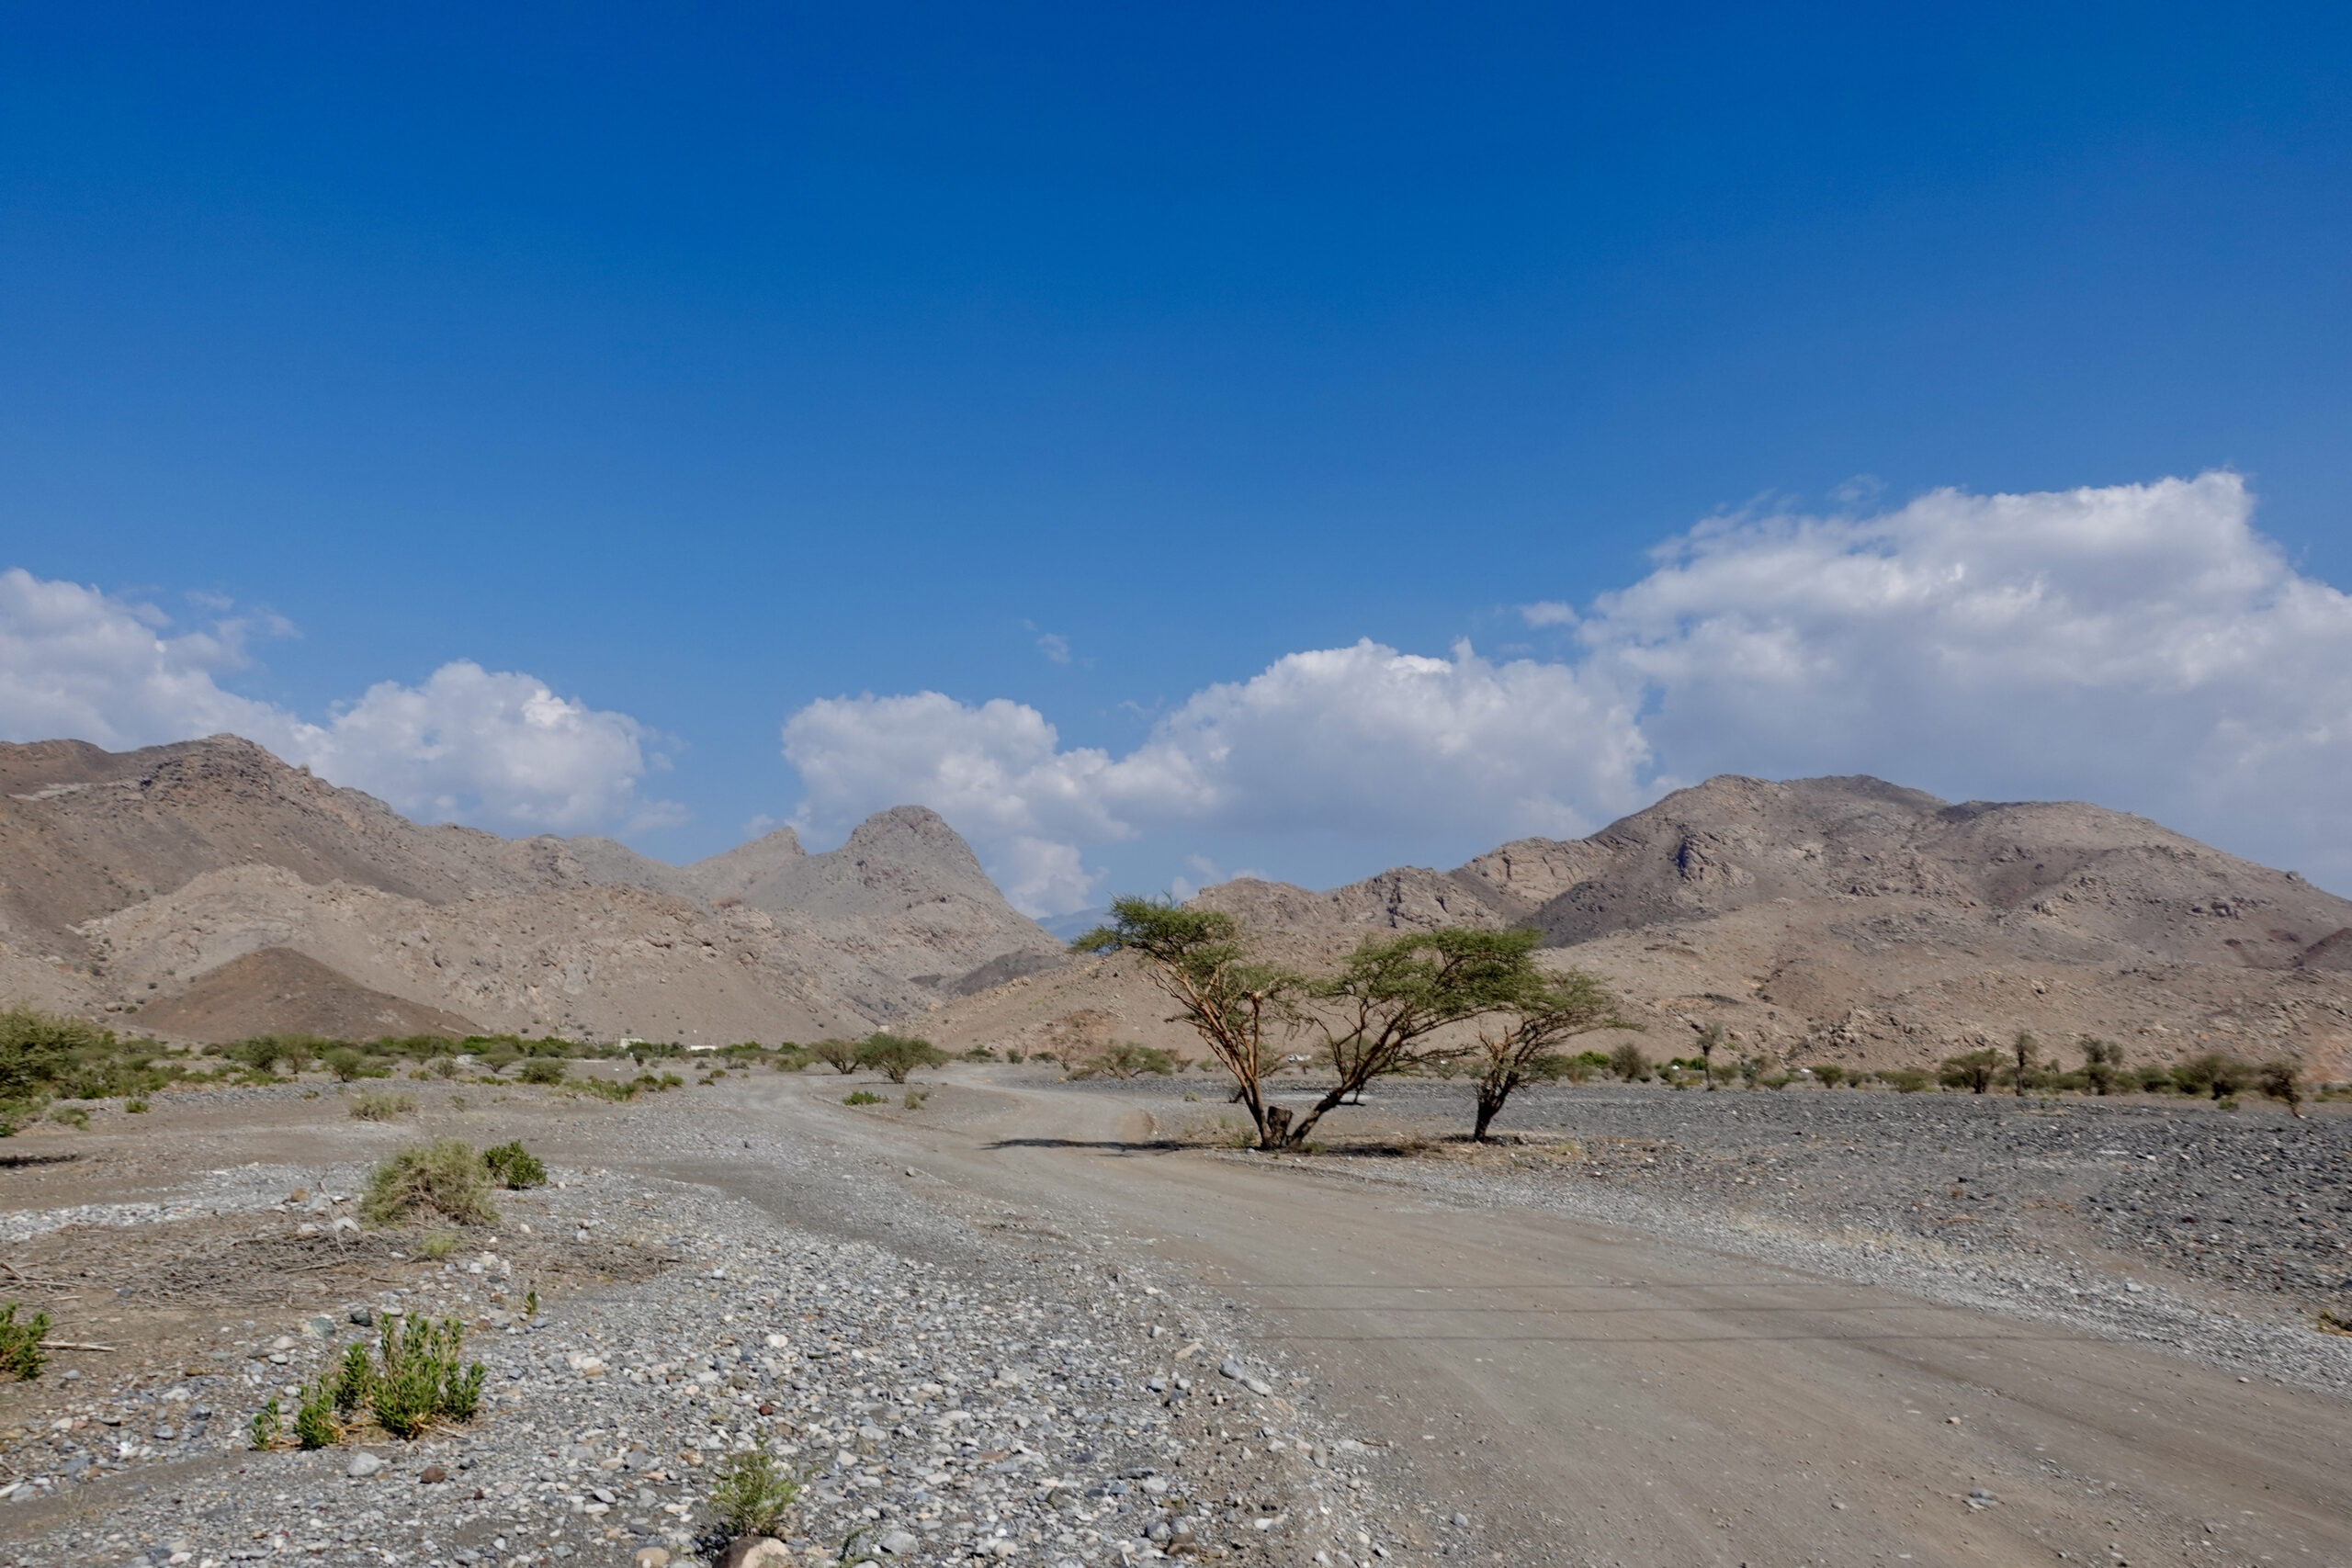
x: 2142, y: 646
x: 500, y: 750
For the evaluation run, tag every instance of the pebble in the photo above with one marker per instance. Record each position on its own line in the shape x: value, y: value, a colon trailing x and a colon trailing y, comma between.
x: 362, y: 1465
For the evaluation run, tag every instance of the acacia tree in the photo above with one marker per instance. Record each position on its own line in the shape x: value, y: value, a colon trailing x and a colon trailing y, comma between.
x: 1543, y: 1016
x: 895, y: 1055
x: 2023, y: 1047
x: 1197, y: 959
x: 2102, y: 1064
x: 1972, y: 1071
x: 1391, y: 996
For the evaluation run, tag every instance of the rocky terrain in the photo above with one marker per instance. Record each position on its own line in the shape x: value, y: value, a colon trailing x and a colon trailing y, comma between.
x: 1843, y: 921
x: 154, y: 885
x: 953, y: 1391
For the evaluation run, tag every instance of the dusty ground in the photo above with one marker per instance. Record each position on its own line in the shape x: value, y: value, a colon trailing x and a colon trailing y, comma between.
x: 1740, y: 1343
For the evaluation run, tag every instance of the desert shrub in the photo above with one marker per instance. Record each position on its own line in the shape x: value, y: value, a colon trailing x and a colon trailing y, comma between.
x: 1830, y: 1074
x: 264, y: 1432
x: 377, y: 1105
x: 515, y: 1167
x: 915, y: 1097
x: 496, y: 1055
x: 345, y: 1062
x: 1774, y: 1080
x: 2102, y: 1064
x: 2155, y: 1081
x: 443, y: 1067
x: 71, y: 1116
x: 1903, y: 1080
x: 841, y: 1056
x: 2218, y: 1075
x: 439, y: 1244
x: 1123, y: 1059
x: 445, y: 1177
x: 862, y: 1097
x: 895, y: 1055
x: 981, y: 1054
x: 1750, y: 1070
x: 21, y: 1353
x: 542, y: 1070
x: 2282, y: 1081
x: 752, y: 1495
x: 315, y: 1425
x: 418, y: 1380
x: 1972, y: 1071
x: 353, y: 1378
x: 1628, y: 1063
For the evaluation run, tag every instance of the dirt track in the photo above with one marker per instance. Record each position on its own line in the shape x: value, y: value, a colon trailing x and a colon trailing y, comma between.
x: 1589, y: 1396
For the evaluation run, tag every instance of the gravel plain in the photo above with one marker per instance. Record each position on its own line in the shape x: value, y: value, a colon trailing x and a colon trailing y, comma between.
x: 952, y: 1391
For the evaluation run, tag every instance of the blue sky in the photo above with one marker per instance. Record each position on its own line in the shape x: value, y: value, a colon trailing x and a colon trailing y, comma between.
x: 706, y: 363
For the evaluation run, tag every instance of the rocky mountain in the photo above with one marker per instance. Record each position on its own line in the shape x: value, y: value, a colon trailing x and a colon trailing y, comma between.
x: 1842, y: 919
x: 207, y: 890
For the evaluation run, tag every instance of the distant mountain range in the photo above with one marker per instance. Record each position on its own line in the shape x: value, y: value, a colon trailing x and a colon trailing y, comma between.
x: 1839, y: 919
x: 207, y: 890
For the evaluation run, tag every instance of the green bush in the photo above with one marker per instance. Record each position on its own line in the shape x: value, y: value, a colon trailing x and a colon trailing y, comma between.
x: 862, y: 1097
x: 21, y: 1352
x: 515, y: 1167
x: 752, y: 1495
x: 71, y: 1116
x: 895, y: 1055
x: 1903, y: 1080
x: 542, y: 1070
x: 1628, y: 1063
x: 1125, y: 1059
x: 915, y: 1097
x: 1973, y: 1070
x: 379, y: 1106
x: 1830, y: 1074
x: 134, y: 1107
x: 841, y: 1056
x: 418, y: 1380
x: 445, y: 1177
x: 2214, y: 1074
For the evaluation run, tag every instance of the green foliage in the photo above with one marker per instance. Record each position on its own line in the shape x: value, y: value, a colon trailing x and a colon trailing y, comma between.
x: 1124, y: 1059
x: 379, y: 1106
x: 981, y: 1054
x: 353, y: 1380
x: 1628, y: 1063
x: 134, y: 1107
x: 268, y: 1425
x: 445, y: 1177
x: 752, y: 1495
x: 862, y: 1097
x: 895, y: 1055
x: 1903, y: 1080
x: 71, y: 1116
x: 443, y: 1067
x: 21, y: 1353
x: 2102, y: 1064
x: 1830, y: 1074
x: 439, y: 1244
x: 264, y: 1052
x: 841, y: 1056
x: 38, y: 1050
x: 417, y: 1379
x: 1972, y: 1071
x: 915, y: 1097
x: 531, y: 1302
x: 515, y: 1167
x: 542, y: 1070
x: 315, y: 1425
x: 2221, y: 1077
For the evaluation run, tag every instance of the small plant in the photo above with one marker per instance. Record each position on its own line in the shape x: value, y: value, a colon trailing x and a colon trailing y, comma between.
x: 1628, y: 1063
x: 439, y: 1244
x: 352, y: 1383
x: 752, y: 1495
x: 915, y: 1097
x: 71, y: 1116
x: 445, y: 1177
x: 314, y: 1423
x: 21, y: 1354
x: 267, y: 1426
x: 441, y: 1066
x: 2328, y: 1322
x: 1830, y: 1074
x: 862, y: 1097
x: 377, y: 1105
x: 456, y: 1102
x: 135, y: 1107
x: 541, y: 1070
x: 515, y: 1166
x: 2282, y: 1081
x: 531, y: 1302
x: 417, y: 1379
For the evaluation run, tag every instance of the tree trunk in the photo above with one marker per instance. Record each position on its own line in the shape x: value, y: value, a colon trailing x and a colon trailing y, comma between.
x: 1491, y: 1105
x: 1277, y: 1128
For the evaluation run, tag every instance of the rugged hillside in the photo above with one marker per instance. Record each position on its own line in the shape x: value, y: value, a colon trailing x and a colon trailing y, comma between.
x: 1849, y: 919
x: 138, y: 884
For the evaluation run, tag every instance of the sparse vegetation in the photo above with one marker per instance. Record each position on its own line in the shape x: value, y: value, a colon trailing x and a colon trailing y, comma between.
x: 379, y: 1106
x: 2282, y: 1081
x: 22, y: 1355
x: 1830, y: 1073
x: 2102, y: 1064
x: 1628, y: 1063
x: 439, y: 1246
x: 542, y: 1070
x: 515, y: 1167
x: 445, y: 1178
x: 895, y: 1055
x: 1123, y: 1059
x: 1903, y: 1080
x: 862, y: 1097
x: 2214, y: 1074
x: 843, y: 1056
x: 915, y: 1097
x: 1546, y: 1013
x: 1972, y: 1071
x: 753, y: 1495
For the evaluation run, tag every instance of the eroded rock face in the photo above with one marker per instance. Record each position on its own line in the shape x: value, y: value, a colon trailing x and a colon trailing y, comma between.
x: 233, y: 895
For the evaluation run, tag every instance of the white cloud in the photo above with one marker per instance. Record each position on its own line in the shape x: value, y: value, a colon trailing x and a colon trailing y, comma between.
x: 2141, y: 645
x: 498, y: 750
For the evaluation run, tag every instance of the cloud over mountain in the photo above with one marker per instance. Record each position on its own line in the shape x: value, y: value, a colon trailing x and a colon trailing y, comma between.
x: 2140, y: 645
x: 498, y: 750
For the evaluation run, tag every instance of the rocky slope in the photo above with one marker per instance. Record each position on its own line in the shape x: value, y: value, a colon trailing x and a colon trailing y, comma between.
x: 127, y: 880
x: 1842, y: 919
